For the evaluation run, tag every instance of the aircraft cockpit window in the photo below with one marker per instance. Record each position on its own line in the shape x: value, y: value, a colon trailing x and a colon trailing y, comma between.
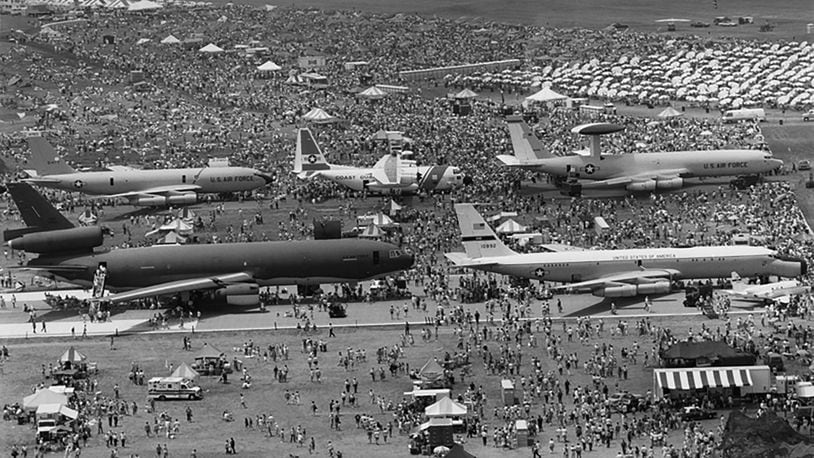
x: 768, y: 156
x: 396, y: 253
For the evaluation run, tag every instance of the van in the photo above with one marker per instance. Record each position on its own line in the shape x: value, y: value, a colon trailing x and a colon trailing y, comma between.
x: 775, y: 361
x: 163, y: 388
x: 751, y: 114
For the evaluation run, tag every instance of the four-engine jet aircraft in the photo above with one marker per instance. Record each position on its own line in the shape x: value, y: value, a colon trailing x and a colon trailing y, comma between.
x: 633, y: 171
x: 230, y: 271
x: 391, y: 175
x: 149, y: 188
x: 614, y: 273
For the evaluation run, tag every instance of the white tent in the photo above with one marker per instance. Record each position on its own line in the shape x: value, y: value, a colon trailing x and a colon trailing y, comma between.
x: 394, y: 207
x: 184, y: 371
x: 466, y: 94
x: 33, y: 401
x: 211, y: 48
x: 446, y: 407
x: 144, y: 5
x: 177, y: 225
x: 669, y: 112
x: 141, y: 41
x: 379, y: 219
x: 372, y: 93
x: 545, y: 95
x: 319, y: 116
x: 294, y: 79
x: 72, y: 355
x: 501, y: 215
x: 170, y: 40
x: 269, y: 66
x: 53, y: 409
x: 510, y: 226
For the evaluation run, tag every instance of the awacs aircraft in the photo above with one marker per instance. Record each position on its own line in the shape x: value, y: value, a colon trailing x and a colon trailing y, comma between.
x: 613, y: 273
x: 633, y: 171
x: 391, y: 175
x: 776, y: 291
x: 232, y: 272
x: 149, y: 188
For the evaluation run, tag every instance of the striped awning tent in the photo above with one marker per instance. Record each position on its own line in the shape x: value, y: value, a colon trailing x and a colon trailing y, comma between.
x: 692, y: 378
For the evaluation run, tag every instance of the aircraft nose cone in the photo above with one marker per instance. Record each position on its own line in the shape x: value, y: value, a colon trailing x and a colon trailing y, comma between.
x: 775, y: 163
x: 407, y: 261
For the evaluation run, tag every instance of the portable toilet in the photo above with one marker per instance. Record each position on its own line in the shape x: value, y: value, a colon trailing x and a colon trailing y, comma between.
x: 600, y: 225
x: 521, y: 428
x: 507, y: 392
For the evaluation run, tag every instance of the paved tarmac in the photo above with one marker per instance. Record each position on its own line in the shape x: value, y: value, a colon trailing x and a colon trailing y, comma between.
x: 14, y: 322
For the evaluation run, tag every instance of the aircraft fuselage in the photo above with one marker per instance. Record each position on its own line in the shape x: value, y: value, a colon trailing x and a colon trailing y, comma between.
x: 269, y: 263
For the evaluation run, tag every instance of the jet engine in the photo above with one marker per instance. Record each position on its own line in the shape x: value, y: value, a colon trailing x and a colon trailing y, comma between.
x: 638, y: 186
x: 59, y: 241
x: 242, y: 294
x: 659, y: 287
x: 161, y: 201
x: 671, y: 183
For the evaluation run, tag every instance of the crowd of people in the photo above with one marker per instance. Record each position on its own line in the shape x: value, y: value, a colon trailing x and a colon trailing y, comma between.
x: 199, y: 106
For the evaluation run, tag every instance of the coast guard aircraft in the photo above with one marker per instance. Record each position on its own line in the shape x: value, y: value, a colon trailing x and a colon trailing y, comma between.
x: 393, y: 174
x: 149, y: 188
x: 614, y: 273
x: 633, y: 171
x: 779, y: 291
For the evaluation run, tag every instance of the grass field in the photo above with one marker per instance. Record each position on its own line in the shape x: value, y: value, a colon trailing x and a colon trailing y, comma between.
x: 789, y: 16
x: 208, y: 431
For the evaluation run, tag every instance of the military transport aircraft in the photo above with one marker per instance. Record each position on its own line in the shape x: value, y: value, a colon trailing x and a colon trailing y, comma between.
x: 148, y: 188
x: 393, y: 174
x: 230, y: 271
x: 614, y: 273
x: 632, y: 171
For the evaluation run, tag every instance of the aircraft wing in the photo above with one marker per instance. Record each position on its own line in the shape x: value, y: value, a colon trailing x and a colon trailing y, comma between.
x: 646, y: 176
x: 202, y: 283
x: 158, y: 191
x: 513, y: 161
x: 559, y: 247
x: 462, y: 260
x: 633, y: 277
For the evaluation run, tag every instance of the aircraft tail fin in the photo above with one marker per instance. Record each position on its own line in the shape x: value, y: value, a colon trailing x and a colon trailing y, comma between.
x: 37, y: 213
x: 478, y: 239
x: 45, y: 159
x: 527, y: 147
x: 309, y: 157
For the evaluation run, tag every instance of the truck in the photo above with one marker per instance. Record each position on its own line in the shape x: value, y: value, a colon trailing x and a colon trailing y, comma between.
x: 744, y: 114
x: 164, y: 388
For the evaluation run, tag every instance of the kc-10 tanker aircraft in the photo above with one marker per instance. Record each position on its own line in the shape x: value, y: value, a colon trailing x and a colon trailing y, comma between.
x: 614, y: 273
x: 632, y: 171
x: 147, y: 188
x: 232, y: 272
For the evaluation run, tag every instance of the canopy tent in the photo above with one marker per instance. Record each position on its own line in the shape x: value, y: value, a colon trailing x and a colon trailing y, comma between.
x: 88, y: 218
x: 72, y: 355
x: 394, y: 207
x: 170, y: 40
x: 457, y: 451
x: 186, y: 215
x: 294, y: 79
x: 510, y: 226
x: 209, y: 352
x: 545, y: 95
x: 371, y: 232
x: 211, y: 48
x: 53, y: 409
x: 184, y: 371
x: 670, y: 112
x: 465, y: 94
x: 446, y: 407
x: 33, y: 401
x: 144, y: 5
x: 372, y: 93
x: 172, y: 238
x: 318, y: 116
x: 269, y: 66
x: 431, y: 370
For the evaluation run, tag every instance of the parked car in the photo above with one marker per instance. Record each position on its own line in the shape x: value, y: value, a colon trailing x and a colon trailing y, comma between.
x: 699, y: 24
x: 808, y: 115
x: 626, y: 402
x: 694, y: 413
x: 805, y: 164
